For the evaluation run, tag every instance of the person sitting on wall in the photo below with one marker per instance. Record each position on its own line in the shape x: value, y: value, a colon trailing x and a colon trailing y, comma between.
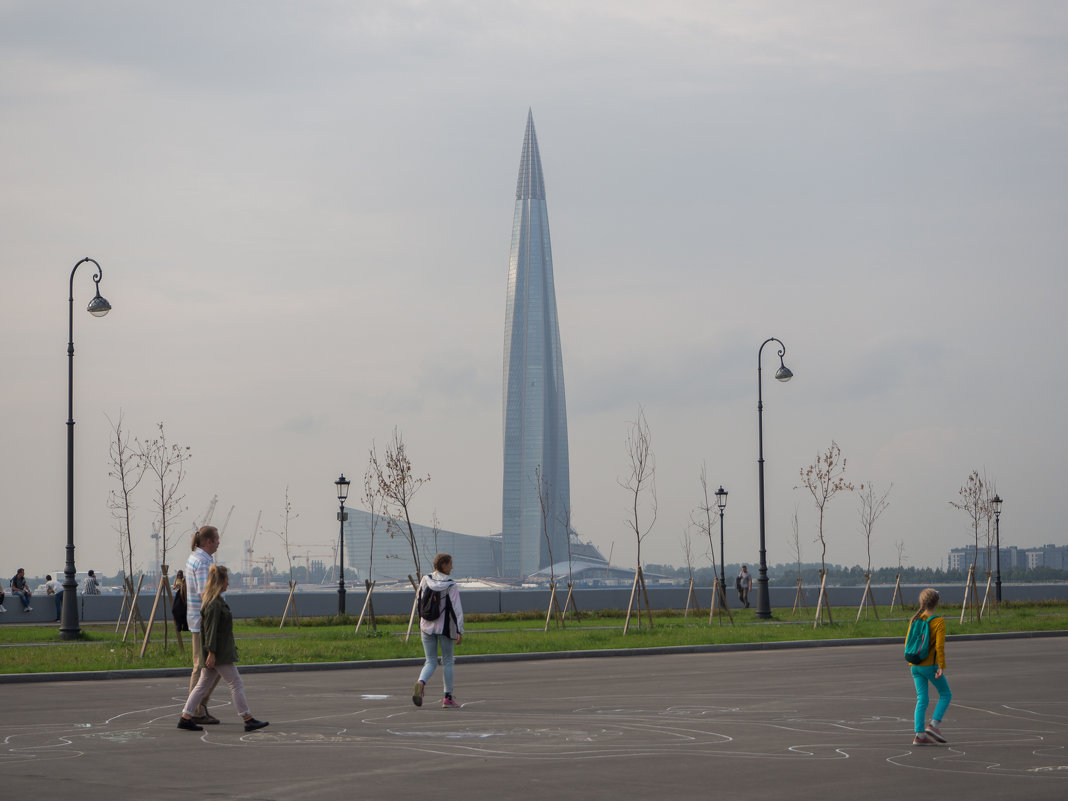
x: 18, y: 586
x: 90, y: 585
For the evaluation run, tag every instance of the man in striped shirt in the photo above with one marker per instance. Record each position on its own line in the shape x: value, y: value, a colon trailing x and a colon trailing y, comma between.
x: 205, y: 544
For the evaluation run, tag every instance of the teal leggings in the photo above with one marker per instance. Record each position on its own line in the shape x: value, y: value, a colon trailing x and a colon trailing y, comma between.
x: 922, y: 674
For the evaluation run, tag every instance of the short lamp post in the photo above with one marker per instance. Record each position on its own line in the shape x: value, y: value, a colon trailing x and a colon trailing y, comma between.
x: 98, y: 307
x: 721, y: 504
x: 342, y: 493
x: 782, y: 374
x: 996, y: 501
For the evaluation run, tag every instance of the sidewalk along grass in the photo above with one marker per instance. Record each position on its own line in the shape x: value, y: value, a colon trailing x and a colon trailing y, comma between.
x: 36, y: 649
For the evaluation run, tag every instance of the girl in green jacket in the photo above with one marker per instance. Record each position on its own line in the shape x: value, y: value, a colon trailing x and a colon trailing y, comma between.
x: 220, y: 653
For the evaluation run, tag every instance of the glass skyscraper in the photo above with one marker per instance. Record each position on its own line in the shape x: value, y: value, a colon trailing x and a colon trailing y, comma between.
x: 535, y: 415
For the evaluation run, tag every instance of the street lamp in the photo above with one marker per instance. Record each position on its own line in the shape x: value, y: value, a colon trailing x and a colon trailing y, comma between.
x: 782, y: 374
x: 98, y: 307
x: 342, y: 493
x: 996, y: 501
x: 721, y: 503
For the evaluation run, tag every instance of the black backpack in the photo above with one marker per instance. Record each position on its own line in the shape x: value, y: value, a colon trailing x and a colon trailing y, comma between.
x: 431, y: 602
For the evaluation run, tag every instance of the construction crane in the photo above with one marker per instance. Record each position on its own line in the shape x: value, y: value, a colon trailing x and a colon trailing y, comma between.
x: 248, y: 547
x: 207, y: 514
x: 222, y: 528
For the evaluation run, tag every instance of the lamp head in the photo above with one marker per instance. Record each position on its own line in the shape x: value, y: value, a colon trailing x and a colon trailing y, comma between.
x: 784, y: 373
x: 721, y: 498
x: 98, y: 306
x: 996, y: 502
x: 342, y: 488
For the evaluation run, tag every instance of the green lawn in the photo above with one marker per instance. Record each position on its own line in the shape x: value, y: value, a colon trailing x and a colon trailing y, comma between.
x: 35, y: 649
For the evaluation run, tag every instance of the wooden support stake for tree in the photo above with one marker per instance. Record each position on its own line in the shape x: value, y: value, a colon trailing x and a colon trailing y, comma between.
x: 988, y: 595
x: 645, y: 594
x: 415, y: 608
x: 897, y: 592
x: 630, y: 604
x: 370, y: 586
x: 366, y: 605
x: 134, y: 611
x: 570, y: 603
x: 554, y: 602
x: 163, y: 590
x: 822, y: 602
x: 691, y: 596
x: 972, y: 592
x: 866, y: 597
x: 719, y: 603
x: 799, y: 598
x: 291, y: 601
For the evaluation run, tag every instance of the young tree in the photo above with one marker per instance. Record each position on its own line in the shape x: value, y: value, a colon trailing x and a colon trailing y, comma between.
x: 973, y: 500
x: 872, y: 505
x: 642, y: 480
x: 372, y: 496
x: 640, y: 484
x: 128, y: 470
x: 988, y: 518
x: 287, y: 516
x: 824, y: 479
x: 166, y: 462
x: 541, y: 484
x: 795, y: 540
x: 398, y: 485
x: 702, y: 517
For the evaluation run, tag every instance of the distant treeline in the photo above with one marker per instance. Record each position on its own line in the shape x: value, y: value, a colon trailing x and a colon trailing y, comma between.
x: 850, y: 576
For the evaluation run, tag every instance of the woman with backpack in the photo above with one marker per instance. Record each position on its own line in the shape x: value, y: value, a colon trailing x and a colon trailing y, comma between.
x: 930, y: 670
x: 441, y: 620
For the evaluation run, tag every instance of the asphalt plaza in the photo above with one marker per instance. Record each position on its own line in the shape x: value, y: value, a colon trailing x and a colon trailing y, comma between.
x: 827, y: 723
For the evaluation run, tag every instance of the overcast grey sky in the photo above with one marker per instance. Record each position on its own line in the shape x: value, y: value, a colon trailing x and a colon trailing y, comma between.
x: 303, y: 212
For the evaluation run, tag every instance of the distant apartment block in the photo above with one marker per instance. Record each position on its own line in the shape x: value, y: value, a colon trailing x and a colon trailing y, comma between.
x: 1054, y: 556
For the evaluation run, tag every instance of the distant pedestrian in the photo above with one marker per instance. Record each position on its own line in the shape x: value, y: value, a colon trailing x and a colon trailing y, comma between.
x: 2, y: 596
x: 219, y: 654
x: 90, y: 584
x: 53, y: 587
x: 197, y: 568
x: 440, y: 631
x: 178, y: 608
x: 19, y: 588
x: 744, y: 584
x: 930, y: 670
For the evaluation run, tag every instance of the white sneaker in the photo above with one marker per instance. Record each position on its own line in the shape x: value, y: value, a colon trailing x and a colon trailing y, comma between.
x: 3, y: 608
x: 28, y: 609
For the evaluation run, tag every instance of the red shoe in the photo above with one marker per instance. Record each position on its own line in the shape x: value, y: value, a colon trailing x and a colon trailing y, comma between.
x: 448, y: 703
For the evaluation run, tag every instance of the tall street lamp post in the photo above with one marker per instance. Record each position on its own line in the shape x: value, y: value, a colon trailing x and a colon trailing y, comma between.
x: 721, y: 503
x: 782, y: 374
x: 342, y: 493
x: 996, y: 501
x: 98, y: 307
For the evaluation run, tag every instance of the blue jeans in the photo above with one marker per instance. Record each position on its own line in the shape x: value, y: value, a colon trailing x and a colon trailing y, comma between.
x: 59, y: 604
x: 430, y: 648
x: 922, y: 674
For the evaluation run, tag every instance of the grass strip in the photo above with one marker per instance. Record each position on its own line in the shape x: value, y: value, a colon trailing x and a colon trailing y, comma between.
x: 37, y: 649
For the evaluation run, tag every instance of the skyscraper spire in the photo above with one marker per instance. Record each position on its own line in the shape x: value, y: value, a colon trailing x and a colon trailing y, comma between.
x: 537, y: 482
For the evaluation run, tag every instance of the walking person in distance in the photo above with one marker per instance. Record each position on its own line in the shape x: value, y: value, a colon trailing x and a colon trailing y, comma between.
x: 744, y: 584
x: 219, y: 654
x: 930, y: 670
x: 440, y: 631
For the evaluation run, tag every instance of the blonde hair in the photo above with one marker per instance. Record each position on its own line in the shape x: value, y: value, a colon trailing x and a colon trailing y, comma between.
x: 928, y: 601
x: 217, y: 578
x: 202, y: 535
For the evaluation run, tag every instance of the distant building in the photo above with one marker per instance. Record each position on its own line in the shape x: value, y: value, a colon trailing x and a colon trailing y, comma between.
x: 1054, y: 556
x: 537, y: 484
x: 472, y: 556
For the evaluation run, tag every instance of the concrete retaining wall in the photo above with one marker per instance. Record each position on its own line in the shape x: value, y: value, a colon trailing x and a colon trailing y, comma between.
x: 98, y: 608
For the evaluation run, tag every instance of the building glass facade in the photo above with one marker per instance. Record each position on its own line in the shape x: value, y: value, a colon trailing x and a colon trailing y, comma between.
x: 537, y: 483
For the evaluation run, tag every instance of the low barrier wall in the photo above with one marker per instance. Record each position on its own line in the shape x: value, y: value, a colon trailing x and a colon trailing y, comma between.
x: 99, y: 608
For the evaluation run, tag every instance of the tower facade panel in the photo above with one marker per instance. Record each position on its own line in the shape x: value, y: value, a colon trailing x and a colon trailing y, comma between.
x: 537, y: 484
